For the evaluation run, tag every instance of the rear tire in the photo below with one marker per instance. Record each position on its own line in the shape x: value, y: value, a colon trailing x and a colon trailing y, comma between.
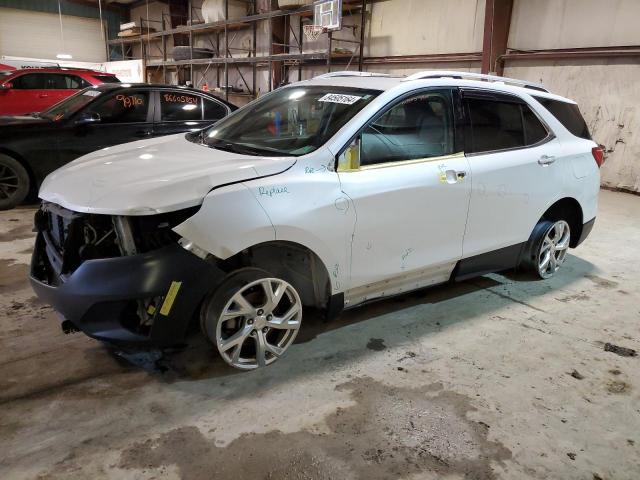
x: 14, y: 182
x: 547, y: 248
x: 252, y: 318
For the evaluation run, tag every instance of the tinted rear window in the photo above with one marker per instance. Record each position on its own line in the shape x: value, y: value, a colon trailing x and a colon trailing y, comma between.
x: 568, y: 114
x: 499, y: 125
x: 107, y: 78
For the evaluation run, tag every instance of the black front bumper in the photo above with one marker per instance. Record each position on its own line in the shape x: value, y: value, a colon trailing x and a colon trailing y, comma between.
x: 101, y: 296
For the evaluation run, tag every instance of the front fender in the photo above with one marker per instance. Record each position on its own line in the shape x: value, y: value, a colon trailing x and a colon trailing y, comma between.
x: 230, y: 220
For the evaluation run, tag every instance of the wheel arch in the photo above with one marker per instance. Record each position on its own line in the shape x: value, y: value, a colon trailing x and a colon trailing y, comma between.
x: 291, y: 261
x: 569, y: 209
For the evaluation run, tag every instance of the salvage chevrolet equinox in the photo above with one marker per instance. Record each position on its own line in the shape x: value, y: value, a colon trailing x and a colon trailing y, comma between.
x: 326, y: 193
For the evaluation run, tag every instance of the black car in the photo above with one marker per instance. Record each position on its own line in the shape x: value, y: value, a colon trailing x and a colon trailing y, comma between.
x: 33, y: 146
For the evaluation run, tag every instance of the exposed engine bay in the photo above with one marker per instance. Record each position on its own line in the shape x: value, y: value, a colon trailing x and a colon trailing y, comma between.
x: 72, y: 238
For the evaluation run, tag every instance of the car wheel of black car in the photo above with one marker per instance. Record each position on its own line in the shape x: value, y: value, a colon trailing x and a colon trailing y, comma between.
x: 252, y: 318
x: 14, y: 182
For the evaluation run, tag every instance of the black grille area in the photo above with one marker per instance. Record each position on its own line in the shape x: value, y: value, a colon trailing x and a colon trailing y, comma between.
x: 71, y: 238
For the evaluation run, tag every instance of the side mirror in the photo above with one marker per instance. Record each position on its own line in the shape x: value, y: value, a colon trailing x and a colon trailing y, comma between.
x: 88, y: 117
x: 349, y: 160
x: 6, y: 86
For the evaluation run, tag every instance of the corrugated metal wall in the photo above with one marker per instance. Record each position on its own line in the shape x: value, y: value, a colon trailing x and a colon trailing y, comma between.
x: 37, y: 35
x: 607, y: 90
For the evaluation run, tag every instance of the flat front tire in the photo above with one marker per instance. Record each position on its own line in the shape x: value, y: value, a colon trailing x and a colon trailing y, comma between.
x: 14, y: 182
x: 252, y: 318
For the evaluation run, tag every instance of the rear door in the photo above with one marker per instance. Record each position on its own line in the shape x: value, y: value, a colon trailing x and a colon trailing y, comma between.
x: 512, y: 154
x: 180, y: 111
x: 63, y: 85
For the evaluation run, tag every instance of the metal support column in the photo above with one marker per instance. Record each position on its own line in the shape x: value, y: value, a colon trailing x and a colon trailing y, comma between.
x: 363, y: 20
x: 226, y: 50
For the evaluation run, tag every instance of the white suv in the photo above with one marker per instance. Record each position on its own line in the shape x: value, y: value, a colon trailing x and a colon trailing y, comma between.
x: 326, y: 193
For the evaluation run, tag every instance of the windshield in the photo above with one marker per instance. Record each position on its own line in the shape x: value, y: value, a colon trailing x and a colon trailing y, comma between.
x: 289, y: 121
x: 71, y: 105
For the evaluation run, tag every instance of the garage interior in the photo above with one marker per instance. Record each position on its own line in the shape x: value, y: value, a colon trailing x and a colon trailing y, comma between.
x: 497, y: 377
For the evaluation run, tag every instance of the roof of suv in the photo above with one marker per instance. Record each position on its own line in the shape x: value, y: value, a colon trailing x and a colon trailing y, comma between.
x: 57, y: 70
x: 444, y: 78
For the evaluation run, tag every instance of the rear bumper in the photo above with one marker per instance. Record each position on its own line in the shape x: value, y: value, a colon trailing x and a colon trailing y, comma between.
x: 101, y: 296
x: 586, y: 230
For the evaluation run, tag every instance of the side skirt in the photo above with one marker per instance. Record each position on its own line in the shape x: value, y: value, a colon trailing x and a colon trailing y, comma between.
x: 494, y: 261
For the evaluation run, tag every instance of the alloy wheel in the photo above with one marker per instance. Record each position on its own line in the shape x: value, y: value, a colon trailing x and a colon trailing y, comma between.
x: 553, y: 250
x: 8, y: 182
x: 258, y: 323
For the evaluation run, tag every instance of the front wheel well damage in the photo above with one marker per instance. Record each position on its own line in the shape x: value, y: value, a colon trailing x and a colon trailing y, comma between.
x: 567, y: 209
x: 290, y: 261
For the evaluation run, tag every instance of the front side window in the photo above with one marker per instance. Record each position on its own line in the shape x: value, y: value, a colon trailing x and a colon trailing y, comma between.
x: 180, y: 106
x: 420, y: 126
x: 30, y: 81
x: 288, y: 121
x: 501, y: 124
x: 72, y: 104
x: 123, y: 107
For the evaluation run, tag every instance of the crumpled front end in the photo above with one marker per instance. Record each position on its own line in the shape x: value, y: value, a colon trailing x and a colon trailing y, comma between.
x: 124, y: 280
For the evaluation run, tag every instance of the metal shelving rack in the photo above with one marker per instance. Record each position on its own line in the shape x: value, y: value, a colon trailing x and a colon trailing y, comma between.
x: 153, y: 45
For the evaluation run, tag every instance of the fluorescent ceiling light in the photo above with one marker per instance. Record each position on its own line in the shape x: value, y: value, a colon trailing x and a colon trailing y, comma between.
x: 64, y: 56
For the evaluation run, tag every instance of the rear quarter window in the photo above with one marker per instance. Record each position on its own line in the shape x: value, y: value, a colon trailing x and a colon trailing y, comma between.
x: 107, y: 78
x: 568, y: 114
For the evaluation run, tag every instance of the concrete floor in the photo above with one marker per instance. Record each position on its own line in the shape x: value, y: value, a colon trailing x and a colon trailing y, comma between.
x: 466, y: 381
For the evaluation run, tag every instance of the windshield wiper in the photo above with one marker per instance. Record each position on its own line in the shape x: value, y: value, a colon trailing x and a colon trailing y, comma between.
x: 244, y: 149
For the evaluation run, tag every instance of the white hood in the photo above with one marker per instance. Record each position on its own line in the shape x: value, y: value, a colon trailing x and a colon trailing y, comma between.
x: 151, y: 176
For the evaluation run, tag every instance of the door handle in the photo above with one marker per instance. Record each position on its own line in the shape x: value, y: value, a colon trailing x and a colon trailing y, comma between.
x: 546, y: 160
x: 453, y: 176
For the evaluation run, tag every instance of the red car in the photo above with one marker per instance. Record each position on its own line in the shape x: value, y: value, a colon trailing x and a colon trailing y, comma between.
x: 34, y: 90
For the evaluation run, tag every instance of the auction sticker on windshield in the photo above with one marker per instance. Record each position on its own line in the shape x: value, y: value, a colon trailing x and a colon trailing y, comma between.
x: 340, y: 98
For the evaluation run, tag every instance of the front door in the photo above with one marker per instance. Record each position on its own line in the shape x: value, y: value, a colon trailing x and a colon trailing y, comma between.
x: 121, y: 117
x: 410, y: 187
x: 28, y: 93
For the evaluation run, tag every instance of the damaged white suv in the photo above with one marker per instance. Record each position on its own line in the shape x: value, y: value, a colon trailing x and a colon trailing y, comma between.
x: 326, y: 193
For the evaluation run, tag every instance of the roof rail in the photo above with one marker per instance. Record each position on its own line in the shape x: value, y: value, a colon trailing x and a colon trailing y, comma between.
x: 474, y: 76
x: 347, y: 73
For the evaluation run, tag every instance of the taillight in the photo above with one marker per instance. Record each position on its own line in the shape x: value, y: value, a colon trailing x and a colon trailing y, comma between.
x: 598, y: 155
